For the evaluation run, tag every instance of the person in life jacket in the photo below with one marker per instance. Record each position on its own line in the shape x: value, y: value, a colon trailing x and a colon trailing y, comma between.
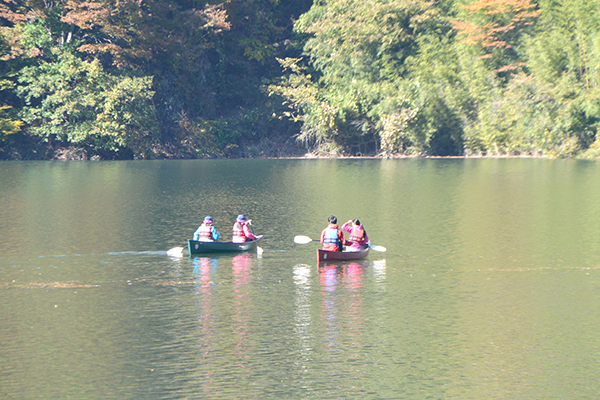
x: 241, y: 231
x: 206, y: 232
x: 358, y: 238
x: 332, y: 237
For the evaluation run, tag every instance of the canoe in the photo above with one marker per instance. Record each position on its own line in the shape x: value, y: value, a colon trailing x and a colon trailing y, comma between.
x: 196, y: 247
x: 328, y: 255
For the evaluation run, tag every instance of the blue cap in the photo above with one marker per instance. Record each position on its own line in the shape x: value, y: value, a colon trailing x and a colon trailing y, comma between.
x: 241, y: 217
x: 208, y: 219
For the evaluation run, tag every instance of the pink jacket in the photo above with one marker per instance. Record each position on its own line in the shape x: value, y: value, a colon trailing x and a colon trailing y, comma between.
x: 355, y: 245
x: 247, y: 235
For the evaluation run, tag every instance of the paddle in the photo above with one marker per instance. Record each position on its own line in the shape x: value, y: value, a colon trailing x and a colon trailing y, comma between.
x: 303, y: 239
x: 380, y: 249
x: 176, y: 251
x: 300, y: 239
x: 259, y: 250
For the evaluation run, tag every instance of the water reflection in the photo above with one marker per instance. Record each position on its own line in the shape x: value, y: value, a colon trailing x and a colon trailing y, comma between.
x: 351, y: 274
x: 222, y: 288
x: 342, y: 319
x: 205, y: 273
x: 490, y: 290
x: 379, y: 272
x: 342, y: 311
x: 242, y: 303
x: 204, y: 269
x: 302, y: 315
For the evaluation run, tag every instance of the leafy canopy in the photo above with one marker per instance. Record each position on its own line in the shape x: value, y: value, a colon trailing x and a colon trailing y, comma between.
x: 77, y: 101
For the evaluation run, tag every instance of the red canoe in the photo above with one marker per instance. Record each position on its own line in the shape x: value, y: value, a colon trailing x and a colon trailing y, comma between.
x: 328, y: 255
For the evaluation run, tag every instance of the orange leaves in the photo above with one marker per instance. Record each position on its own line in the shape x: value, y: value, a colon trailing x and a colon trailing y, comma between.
x: 493, y: 7
x: 511, y: 67
x: 85, y: 14
x: 90, y: 14
x: 487, y: 35
x: 499, y: 18
x: 10, y: 15
x: 100, y: 48
x: 17, y: 11
x: 216, y: 18
x: 104, y: 23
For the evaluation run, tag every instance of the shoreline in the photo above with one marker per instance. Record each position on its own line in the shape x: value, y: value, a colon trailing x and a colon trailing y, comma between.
x: 313, y: 157
x: 78, y: 154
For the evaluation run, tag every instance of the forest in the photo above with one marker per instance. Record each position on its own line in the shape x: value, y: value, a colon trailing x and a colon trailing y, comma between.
x: 160, y: 79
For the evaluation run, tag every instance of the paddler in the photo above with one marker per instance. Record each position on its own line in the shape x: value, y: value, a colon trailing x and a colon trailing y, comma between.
x: 332, y: 237
x: 358, y: 238
x: 241, y: 230
x: 206, y: 232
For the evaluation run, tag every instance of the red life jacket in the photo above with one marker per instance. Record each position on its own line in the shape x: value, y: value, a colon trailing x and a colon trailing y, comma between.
x: 238, y: 231
x: 204, y: 232
x: 357, y: 234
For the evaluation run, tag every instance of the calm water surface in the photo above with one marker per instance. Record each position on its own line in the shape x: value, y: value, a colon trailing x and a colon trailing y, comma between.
x: 490, y: 288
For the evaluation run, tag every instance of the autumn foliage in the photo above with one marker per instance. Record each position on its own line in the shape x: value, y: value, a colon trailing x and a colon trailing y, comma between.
x: 492, y: 23
x: 251, y: 78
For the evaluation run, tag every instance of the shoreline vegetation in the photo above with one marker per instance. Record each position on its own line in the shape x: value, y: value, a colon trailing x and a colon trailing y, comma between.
x: 78, y: 155
x: 127, y: 80
x: 45, y: 153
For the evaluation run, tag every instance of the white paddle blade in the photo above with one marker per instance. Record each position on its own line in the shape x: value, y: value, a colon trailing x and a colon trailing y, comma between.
x: 259, y: 252
x: 175, y: 252
x: 302, y: 239
x: 380, y: 249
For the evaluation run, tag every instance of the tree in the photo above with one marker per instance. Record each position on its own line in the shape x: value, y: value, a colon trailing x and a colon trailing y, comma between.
x: 358, y: 90
x: 76, y: 101
x: 8, y: 126
x: 207, y: 63
x: 491, y: 37
x: 496, y: 26
x: 307, y: 104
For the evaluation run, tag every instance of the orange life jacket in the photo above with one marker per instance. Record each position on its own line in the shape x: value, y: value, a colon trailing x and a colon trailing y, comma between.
x: 238, y: 231
x: 357, y: 234
x: 205, y: 232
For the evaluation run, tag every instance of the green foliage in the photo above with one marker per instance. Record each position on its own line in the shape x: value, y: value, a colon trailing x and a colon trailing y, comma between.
x: 556, y: 108
x: 35, y: 35
x: 207, y: 62
x: 393, y: 69
x: 8, y: 126
x: 362, y: 90
x: 307, y: 105
x: 185, y: 79
x: 551, y: 107
x: 78, y: 102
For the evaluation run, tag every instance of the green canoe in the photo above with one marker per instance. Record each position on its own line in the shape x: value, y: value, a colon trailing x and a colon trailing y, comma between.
x: 196, y: 247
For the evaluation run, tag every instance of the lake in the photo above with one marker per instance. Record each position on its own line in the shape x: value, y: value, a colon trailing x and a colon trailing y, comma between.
x: 489, y: 288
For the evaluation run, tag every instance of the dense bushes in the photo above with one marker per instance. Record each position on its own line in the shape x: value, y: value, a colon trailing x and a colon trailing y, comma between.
x: 252, y: 78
